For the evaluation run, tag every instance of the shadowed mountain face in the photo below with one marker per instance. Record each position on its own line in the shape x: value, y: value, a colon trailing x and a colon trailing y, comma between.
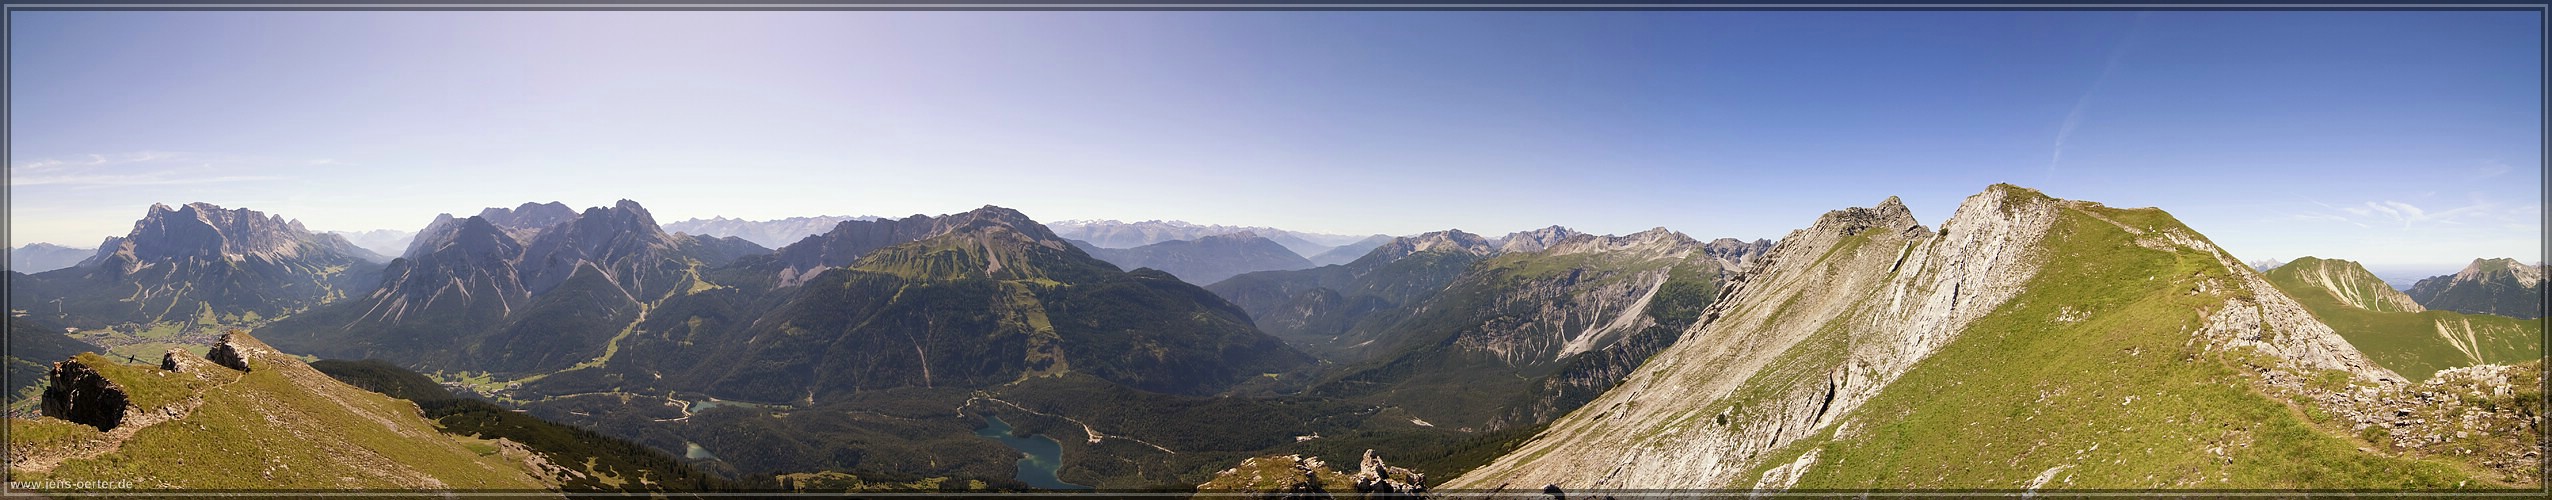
x: 519, y: 223
x: 199, y: 262
x: 1205, y: 260
x: 979, y: 298
x: 1469, y: 333
x: 2501, y: 287
x: 494, y: 293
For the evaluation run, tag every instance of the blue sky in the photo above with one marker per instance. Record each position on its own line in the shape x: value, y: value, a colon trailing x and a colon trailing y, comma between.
x: 2402, y: 139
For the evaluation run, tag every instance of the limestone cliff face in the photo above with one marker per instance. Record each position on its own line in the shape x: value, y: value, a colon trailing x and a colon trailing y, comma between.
x: 1845, y: 305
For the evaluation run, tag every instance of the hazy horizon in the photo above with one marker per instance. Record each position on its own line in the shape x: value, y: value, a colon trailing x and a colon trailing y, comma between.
x: 2398, y: 139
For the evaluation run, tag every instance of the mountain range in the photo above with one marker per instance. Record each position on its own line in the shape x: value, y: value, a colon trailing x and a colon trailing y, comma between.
x: 773, y: 233
x: 198, y: 263
x: 41, y: 257
x: 1115, y: 234
x: 2489, y: 286
x: 2396, y: 331
x: 1204, y: 260
x: 2027, y: 342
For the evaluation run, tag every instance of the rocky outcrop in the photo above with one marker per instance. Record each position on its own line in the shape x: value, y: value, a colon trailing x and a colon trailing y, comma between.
x: 1373, y: 476
x: 2259, y: 316
x: 180, y: 361
x: 234, y: 351
x: 76, y: 392
x: 1297, y: 476
x: 2487, y: 416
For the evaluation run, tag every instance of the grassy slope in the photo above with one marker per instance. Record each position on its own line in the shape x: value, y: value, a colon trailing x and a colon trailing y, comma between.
x: 2410, y: 343
x: 277, y: 427
x: 2122, y: 399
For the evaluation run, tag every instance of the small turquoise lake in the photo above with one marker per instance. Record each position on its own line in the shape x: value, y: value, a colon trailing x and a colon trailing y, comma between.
x: 1041, y: 455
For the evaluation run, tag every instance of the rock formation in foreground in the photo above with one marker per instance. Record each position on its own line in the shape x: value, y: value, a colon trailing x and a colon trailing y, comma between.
x: 1297, y: 476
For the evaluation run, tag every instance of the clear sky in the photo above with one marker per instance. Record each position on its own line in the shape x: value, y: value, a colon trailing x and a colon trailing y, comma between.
x: 2402, y: 139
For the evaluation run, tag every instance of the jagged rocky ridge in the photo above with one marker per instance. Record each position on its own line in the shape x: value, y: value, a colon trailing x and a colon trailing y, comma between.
x: 1768, y: 391
x: 502, y: 292
x: 199, y: 263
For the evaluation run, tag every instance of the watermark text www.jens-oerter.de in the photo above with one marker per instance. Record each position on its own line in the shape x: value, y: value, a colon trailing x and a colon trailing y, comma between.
x: 70, y: 485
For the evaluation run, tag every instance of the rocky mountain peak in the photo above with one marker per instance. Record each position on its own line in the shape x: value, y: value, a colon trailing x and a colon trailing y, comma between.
x: 530, y: 216
x: 851, y: 239
x: 1733, y: 254
x: 1890, y: 214
x: 208, y: 232
x: 2525, y: 276
x: 521, y: 223
x: 1450, y: 240
x: 1535, y: 240
x: 1655, y: 242
x: 2348, y: 282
